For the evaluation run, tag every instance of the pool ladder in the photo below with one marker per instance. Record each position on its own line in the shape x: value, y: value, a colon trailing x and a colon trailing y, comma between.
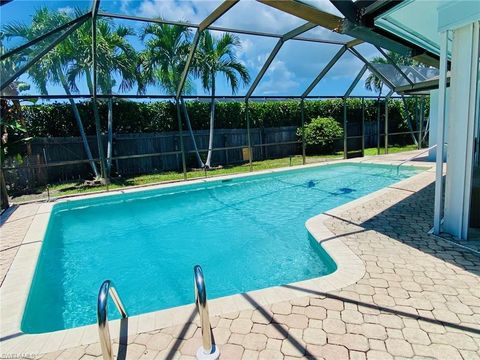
x: 208, y: 350
x: 106, y: 289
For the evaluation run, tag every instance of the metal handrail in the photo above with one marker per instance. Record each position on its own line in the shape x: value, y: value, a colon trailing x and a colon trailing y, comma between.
x: 102, y: 316
x: 415, y: 156
x: 208, y: 350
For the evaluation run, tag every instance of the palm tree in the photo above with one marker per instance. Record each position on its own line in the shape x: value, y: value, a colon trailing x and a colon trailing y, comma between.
x: 163, y: 61
x: 52, y: 67
x: 214, y: 56
x: 374, y: 83
x: 115, y: 57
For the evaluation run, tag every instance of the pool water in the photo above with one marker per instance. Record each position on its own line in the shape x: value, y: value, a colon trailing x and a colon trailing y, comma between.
x: 247, y: 233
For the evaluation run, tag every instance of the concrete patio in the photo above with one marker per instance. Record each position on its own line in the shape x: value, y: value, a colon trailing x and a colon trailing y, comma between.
x: 419, y: 297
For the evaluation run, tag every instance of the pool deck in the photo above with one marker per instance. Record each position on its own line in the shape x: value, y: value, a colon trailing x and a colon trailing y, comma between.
x: 399, y: 293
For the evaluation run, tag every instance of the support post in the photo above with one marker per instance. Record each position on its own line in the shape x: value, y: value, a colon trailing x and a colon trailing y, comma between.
x: 422, y: 118
x: 378, y: 126
x: 386, y: 125
x: 45, y: 160
x: 302, y: 108
x: 109, y: 135
x: 101, y: 153
x: 419, y: 120
x: 345, y: 126
x: 442, y: 88
x: 363, y: 126
x: 182, y: 147
x: 247, y: 118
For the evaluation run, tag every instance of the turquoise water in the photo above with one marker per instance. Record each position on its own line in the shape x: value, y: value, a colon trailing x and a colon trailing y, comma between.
x: 246, y: 233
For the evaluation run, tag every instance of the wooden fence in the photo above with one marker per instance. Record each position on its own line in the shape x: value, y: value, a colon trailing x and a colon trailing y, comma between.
x: 61, y: 149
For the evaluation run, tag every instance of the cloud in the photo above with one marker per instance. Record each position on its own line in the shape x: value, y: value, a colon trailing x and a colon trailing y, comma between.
x: 125, y: 6
x: 281, y: 80
x: 192, y: 11
x: 68, y: 10
x: 297, y: 63
x: 325, y: 5
x: 252, y: 15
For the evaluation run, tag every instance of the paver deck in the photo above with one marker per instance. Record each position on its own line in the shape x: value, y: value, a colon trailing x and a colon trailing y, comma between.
x: 419, y: 298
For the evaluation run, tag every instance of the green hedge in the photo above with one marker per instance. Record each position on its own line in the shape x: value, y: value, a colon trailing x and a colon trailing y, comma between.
x: 57, y: 119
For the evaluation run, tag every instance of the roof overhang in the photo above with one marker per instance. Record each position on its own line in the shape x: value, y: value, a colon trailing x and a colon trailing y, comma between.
x: 358, y: 22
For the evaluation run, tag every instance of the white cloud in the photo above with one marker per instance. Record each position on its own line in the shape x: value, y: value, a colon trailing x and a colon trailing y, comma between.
x: 68, y: 10
x: 297, y: 64
x: 125, y: 6
x: 325, y: 5
x: 280, y: 81
x: 185, y: 10
x: 252, y: 15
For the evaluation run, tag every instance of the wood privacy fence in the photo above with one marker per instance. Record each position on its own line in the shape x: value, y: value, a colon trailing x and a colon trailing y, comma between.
x: 146, y: 152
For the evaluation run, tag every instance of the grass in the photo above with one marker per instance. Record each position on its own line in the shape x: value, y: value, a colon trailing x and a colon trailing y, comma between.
x: 391, y: 150
x: 78, y: 187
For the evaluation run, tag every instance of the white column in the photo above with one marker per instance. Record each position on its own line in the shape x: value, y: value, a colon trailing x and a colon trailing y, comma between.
x: 433, y: 125
x: 463, y: 86
x: 440, y: 132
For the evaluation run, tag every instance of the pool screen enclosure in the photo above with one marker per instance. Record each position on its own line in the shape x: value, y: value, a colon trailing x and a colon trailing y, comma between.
x: 357, y: 27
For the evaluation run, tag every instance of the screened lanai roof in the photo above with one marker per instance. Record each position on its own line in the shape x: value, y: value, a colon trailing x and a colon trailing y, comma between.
x: 328, y: 38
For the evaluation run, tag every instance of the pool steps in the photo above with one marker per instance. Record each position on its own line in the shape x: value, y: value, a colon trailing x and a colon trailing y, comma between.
x: 208, y: 350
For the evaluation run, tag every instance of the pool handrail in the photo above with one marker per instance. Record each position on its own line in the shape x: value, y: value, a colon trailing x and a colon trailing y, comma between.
x: 107, y: 288
x: 208, y: 350
x: 415, y: 156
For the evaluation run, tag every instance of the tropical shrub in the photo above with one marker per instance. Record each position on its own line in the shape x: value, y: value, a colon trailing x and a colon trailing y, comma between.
x: 320, y: 135
x: 56, y: 119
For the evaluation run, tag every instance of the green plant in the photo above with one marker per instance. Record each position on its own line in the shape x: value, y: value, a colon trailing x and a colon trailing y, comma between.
x: 217, y: 56
x: 52, y: 67
x: 70, y: 62
x: 320, y: 135
x: 55, y: 119
x: 162, y: 63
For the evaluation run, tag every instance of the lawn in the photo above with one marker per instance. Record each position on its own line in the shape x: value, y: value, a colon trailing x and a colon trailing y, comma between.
x: 78, y: 187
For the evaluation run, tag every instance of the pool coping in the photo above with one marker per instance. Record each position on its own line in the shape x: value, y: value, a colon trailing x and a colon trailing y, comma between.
x: 15, y: 289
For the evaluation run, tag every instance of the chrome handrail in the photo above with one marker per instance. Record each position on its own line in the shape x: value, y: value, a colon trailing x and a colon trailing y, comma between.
x: 208, y: 350
x: 415, y: 156
x: 102, y: 316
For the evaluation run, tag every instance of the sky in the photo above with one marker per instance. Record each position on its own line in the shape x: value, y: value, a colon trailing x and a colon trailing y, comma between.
x: 294, y: 68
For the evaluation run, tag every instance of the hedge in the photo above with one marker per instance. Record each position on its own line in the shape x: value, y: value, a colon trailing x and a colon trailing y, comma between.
x: 45, y: 120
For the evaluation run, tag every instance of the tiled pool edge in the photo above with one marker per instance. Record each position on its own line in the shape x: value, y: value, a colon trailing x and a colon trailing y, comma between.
x: 14, y: 291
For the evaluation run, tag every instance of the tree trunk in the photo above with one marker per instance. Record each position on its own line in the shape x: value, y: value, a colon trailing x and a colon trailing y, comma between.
x: 189, y: 125
x: 98, y: 129
x: 78, y: 119
x: 212, y: 123
x: 110, y: 136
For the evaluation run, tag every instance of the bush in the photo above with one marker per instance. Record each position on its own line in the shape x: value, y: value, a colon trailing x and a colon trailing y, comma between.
x: 320, y: 135
x: 56, y: 119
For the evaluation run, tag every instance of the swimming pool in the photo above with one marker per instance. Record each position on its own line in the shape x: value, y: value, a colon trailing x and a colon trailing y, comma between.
x: 247, y: 233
